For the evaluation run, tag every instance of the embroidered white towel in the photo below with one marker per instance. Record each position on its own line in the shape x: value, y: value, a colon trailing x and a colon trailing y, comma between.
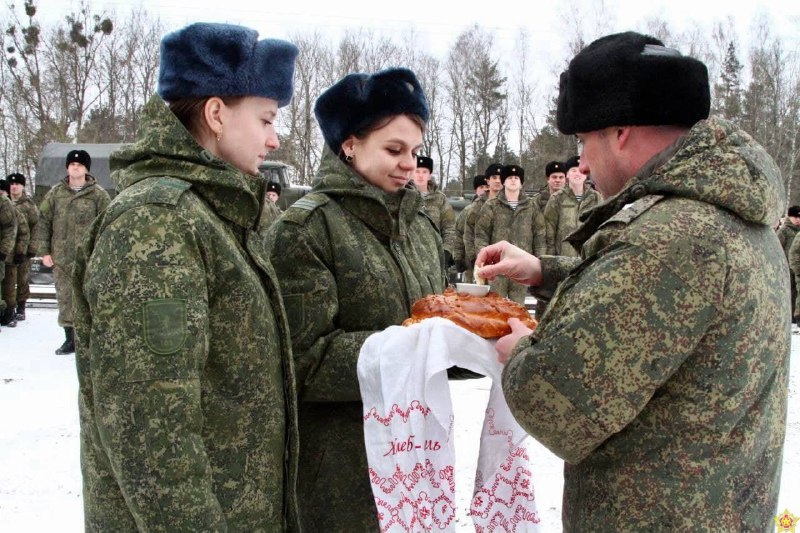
x: 408, y: 430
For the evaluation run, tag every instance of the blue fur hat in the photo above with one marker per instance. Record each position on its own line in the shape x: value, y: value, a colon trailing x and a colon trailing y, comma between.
x: 210, y: 59
x: 359, y: 100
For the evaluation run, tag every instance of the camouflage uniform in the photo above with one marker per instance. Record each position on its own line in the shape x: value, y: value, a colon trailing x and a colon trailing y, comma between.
x: 8, y: 236
x: 442, y: 214
x: 523, y: 227
x: 786, y: 235
x: 541, y: 197
x: 470, y: 216
x: 660, y: 370
x: 64, y: 217
x: 24, y: 270
x: 561, y: 218
x: 21, y: 244
x: 187, y: 398
x: 351, y: 260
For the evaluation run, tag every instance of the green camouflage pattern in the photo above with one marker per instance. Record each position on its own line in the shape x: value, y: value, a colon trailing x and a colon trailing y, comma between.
x: 8, y: 287
x: 786, y: 234
x: 351, y: 261
x: 472, y: 211
x: 64, y: 218
x: 541, y: 197
x: 8, y: 227
x: 523, y: 227
x: 187, y: 397
x: 442, y: 214
x: 26, y: 205
x: 659, y: 372
x: 561, y: 218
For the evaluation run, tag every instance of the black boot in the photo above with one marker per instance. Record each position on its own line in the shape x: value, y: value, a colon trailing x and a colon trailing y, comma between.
x: 69, y: 344
x: 20, y: 311
x: 8, y: 318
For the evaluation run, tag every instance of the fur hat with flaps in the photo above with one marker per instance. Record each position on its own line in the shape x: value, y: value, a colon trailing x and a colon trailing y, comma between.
x: 573, y: 161
x: 16, y: 178
x: 794, y: 211
x: 479, y: 181
x: 360, y: 100
x: 512, y: 170
x: 79, y: 156
x: 554, y: 166
x: 423, y: 161
x: 630, y: 79
x: 495, y: 169
x: 5, y: 186
x: 211, y: 59
x: 274, y: 186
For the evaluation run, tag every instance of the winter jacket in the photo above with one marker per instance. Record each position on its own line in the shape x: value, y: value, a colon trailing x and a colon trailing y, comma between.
x: 187, y: 395
x: 8, y: 228
x: 25, y: 204
x: 561, y: 218
x: 442, y: 214
x: 351, y: 260
x: 660, y: 369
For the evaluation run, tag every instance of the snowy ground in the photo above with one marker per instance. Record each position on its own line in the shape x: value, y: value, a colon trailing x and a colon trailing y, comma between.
x: 40, y: 485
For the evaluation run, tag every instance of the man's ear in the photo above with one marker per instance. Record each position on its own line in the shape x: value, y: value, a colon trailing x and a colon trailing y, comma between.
x: 212, y: 113
x: 622, y: 136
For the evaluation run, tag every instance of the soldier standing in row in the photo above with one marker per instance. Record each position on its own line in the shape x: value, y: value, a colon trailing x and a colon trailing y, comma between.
x: 565, y: 206
x: 515, y: 218
x: 271, y: 209
x: 556, y: 178
x: 437, y: 206
x: 660, y: 371
x: 31, y: 213
x: 66, y: 213
x: 481, y: 188
x: 786, y: 235
x: 494, y: 185
x: 8, y: 317
x: 187, y: 398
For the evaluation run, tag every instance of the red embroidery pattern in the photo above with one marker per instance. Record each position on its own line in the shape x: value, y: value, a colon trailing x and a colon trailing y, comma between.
x: 396, y: 410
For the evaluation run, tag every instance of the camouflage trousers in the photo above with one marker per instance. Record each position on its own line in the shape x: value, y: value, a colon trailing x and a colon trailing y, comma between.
x: 62, y: 275
x: 9, y: 286
x: 795, y: 299
x: 24, y: 281
x: 508, y: 289
x: 2, y: 277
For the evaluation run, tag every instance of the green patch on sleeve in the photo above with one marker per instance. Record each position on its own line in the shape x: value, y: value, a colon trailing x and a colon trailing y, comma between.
x: 165, y: 325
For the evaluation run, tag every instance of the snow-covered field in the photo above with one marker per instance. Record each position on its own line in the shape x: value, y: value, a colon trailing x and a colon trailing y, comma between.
x: 40, y: 482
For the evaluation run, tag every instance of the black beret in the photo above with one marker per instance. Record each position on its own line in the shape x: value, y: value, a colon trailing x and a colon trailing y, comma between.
x: 512, y: 170
x: 573, y: 161
x: 794, y: 211
x: 630, y: 79
x: 16, y: 178
x: 360, y: 100
x: 424, y: 161
x: 554, y: 166
x: 274, y: 186
x: 5, y: 185
x: 211, y: 59
x: 495, y: 169
x: 79, y: 156
x: 479, y: 181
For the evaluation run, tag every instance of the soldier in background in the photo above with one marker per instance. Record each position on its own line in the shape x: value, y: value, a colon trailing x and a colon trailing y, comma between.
x: 8, y: 317
x: 556, y: 178
x: 565, y: 206
x: 786, y: 235
x: 65, y: 215
x: 494, y: 185
x: 8, y: 238
x: 660, y: 371
x: 24, y: 203
x: 437, y: 206
x: 481, y: 189
x: 187, y: 398
x: 271, y: 209
x: 515, y: 218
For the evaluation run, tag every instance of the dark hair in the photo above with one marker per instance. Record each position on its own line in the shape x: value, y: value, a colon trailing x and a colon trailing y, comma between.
x: 381, y: 123
x: 189, y: 111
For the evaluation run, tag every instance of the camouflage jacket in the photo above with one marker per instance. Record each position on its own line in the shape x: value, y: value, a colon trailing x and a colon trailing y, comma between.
x: 187, y: 397
x: 27, y: 206
x: 65, y: 216
x: 541, y: 197
x: 786, y: 235
x: 659, y: 371
x: 472, y: 211
x: 8, y: 228
x: 523, y: 226
x: 23, y: 240
x: 561, y: 218
x: 442, y: 214
x: 351, y: 261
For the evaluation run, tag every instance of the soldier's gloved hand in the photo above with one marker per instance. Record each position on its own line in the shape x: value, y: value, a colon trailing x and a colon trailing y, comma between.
x: 19, y: 259
x: 448, y: 259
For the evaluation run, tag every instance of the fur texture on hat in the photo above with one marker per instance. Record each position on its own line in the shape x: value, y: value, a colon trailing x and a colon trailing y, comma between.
x: 479, y: 181
x: 573, y: 161
x: 5, y: 186
x: 554, y: 166
x: 424, y: 161
x: 80, y: 156
x: 210, y: 59
x: 630, y: 79
x: 274, y: 186
x: 794, y: 211
x: 360, y: 100
x: 512, y: 170
x: 495, y: 169
x: 16, y: 178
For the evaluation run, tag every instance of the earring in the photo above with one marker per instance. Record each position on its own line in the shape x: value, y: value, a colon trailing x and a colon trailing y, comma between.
x: 219, y: 136
x: 349, y: 158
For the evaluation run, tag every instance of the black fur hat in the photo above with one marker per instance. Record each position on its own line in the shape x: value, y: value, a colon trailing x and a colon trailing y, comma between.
x: 359, y: 100
x: 16, y: 178
x: 512, y: 170
x: 794, y: 211
x: 5, y: 185
x: 80, y: 156
x: 573, y: 161
x: 554, y: 166
x: 495, y: 169
x: 274, y: 186
x: 424, y: 161
x: 479, y: 181
x: 630, y: 79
